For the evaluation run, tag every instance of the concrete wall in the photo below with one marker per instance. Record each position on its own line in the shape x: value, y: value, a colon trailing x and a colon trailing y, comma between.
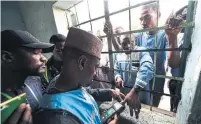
x: 11, y: 16
x: 189, y: 109
x: 39, y: 19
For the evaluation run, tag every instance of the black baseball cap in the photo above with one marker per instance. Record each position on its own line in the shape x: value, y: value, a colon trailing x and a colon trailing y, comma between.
x: 57, y: 38
x: 13, y: 39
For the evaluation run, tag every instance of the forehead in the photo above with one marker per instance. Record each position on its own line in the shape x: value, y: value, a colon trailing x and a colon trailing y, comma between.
x: 29, y: 50
x: 145, y: 11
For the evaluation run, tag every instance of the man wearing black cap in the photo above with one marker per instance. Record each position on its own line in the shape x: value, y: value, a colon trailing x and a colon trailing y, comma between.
x: 54, y: 64
x: 21, y: 56
x: 66, y: 101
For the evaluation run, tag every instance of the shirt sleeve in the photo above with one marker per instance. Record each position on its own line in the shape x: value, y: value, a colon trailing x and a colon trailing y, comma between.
x: 100, y: 94
x: 145, y: 73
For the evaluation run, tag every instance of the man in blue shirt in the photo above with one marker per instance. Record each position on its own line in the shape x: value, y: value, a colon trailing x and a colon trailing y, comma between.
x: 139, y: 77
x: 165, y: 39
x: 66, y: 96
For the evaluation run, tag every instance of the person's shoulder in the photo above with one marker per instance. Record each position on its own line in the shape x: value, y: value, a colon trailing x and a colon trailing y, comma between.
x: 52, y: 83
x: 32, y: 79
x: 140, y: 48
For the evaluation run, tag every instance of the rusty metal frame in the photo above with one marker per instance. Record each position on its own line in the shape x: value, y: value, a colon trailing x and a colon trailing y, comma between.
x: 116, y: 12
x: 188, y: 26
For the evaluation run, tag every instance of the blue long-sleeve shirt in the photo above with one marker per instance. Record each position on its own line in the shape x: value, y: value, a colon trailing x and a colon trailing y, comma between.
x: 143, y: 75
x: 148, y: 41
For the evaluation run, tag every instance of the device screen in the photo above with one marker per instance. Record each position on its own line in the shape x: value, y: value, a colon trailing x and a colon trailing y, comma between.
x: 110, y: 112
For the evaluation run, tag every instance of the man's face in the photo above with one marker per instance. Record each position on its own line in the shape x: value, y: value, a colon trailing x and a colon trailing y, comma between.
x: 90, y: 70
x: 31, y: 60
x: 148, y: 18
x: 126, y: 44
x: 57, y: 52
x: 119, y: 37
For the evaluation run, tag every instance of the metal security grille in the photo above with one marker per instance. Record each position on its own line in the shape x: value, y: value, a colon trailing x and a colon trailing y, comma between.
x: 185, y: 50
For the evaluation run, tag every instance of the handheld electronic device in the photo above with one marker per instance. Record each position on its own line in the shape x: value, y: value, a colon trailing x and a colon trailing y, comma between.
x: 116, y: 108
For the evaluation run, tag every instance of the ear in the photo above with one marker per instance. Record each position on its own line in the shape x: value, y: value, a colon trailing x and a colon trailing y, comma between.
x: 6, y: 56
x: 82, y: 61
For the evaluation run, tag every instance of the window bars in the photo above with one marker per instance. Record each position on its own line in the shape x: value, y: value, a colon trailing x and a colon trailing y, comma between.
x: 185, y: 50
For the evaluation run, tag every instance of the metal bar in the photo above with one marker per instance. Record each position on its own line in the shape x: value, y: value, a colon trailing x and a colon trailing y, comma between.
x: 186, y: 43
x: 188, y: 24
x: 155, y: 57
x: 162, y: 111
x: 170, y: 77
x: 109, y: 36
x: 187, y: 35
x: 149, y: 50
x: 90, y: 21
x: 74, y: 5
x: 130, y: 65
x: 67, y: 19
x: 150, y: 91
x: 89, y: 15
x: 131, y: 7
x: 158, y: 76
x: 76, y: 15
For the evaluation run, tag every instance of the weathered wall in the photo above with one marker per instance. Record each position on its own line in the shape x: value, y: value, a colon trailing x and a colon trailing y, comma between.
x: 189, y: 109
x: 39, y: 19
x: 11, y: 16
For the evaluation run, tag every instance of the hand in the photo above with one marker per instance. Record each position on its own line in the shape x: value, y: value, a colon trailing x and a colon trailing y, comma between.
x: 107, y: 28
x: 173, y: 22
x: 119, y: 82
x: 117, y: 95
x: 113, y: 120
x: 133, y: 102
x: 21, y: 116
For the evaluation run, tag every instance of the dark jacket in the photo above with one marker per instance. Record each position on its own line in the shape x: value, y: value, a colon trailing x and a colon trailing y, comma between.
x: 53, y: 68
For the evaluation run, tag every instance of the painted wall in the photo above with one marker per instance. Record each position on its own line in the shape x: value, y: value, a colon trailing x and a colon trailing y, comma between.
x: 189, y: 108
x: 39, y: 19
x: 11, y: 16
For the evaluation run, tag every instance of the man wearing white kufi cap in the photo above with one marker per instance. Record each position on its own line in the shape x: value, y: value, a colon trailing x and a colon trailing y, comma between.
x: 67, y: 101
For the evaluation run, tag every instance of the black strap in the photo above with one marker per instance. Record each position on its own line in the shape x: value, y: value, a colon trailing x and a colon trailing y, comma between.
x: 58, y: 111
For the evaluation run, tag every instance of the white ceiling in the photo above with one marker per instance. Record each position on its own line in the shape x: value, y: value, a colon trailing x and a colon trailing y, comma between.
x: 65, y: 4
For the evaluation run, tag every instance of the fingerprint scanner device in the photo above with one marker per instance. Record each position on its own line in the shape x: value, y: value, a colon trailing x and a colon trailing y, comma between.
x: 116, y: 108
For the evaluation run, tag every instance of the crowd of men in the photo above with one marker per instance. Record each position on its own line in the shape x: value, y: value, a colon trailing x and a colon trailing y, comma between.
x: 61, y: 90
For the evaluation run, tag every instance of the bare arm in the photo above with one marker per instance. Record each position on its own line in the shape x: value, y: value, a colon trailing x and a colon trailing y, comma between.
x: 171, y: 36
x: 173, y: 56
x: 109, y: 31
